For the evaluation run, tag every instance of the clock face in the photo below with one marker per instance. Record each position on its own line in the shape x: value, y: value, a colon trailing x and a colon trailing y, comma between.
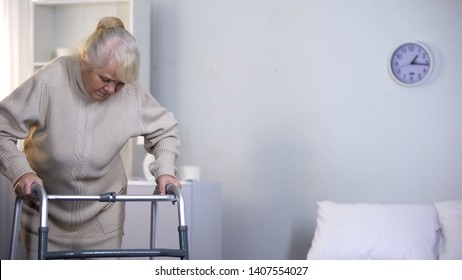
x: 411, y: 64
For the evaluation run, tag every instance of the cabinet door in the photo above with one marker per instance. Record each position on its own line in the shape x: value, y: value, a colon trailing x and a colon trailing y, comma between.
x: 203, y: 214
x: 203, y: 207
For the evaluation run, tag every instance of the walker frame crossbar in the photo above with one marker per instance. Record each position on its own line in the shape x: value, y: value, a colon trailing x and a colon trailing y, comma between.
x: 173, y: 195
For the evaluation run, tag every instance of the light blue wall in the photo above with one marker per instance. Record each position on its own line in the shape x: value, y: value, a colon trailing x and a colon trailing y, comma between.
x: 288, y: 102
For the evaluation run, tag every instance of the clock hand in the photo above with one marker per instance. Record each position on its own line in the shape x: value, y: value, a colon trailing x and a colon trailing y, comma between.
x: 414, y: 62
x: 420, y: 64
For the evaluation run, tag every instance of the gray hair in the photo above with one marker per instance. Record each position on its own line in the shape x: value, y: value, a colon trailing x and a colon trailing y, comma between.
x: 110, y: 42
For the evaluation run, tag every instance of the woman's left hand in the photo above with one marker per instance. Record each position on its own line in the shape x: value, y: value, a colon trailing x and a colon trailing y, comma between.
x: 163, y: 181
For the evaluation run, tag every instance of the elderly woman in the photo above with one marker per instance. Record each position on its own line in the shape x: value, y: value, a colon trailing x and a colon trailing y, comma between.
x: 75, y: 115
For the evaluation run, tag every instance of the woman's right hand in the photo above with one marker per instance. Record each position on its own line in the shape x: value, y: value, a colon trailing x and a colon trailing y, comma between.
x: 23, y: 185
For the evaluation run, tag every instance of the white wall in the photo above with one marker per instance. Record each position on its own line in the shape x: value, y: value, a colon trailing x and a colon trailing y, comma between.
x: 288, y: 102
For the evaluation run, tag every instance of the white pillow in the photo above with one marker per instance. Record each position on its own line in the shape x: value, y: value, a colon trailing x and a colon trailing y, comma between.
x: 450, y: 216
x: 374, y: 231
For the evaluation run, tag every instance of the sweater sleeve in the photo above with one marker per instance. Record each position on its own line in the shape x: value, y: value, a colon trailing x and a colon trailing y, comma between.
x: 160, y: 132
x: 19, y: 113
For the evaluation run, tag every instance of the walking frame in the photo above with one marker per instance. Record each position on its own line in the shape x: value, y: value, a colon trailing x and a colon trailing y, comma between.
x: 173, y: 195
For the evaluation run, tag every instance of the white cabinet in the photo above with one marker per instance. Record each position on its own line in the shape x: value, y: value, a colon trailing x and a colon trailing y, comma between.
x: 203, y: 214
x: 64, y: 24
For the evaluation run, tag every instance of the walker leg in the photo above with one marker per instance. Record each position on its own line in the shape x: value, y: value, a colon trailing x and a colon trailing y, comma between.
x: 183, y: 235
x: 153, y: 226
x: 15, y: 228
x: 42, y: 243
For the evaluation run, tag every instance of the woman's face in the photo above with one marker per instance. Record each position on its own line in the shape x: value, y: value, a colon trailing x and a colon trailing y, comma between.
x: 102, y: 82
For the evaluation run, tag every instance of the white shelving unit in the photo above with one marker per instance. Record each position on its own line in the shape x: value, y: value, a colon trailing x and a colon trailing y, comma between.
x: 66, y: 23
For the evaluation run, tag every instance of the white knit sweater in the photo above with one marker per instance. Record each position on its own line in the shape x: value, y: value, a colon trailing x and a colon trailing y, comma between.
x: 73, y: 142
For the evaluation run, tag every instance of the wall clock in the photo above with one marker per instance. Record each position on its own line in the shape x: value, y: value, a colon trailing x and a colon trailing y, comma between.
x: 411, y: 64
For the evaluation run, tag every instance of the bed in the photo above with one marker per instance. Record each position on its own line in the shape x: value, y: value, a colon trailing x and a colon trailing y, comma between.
x: 387, y: 231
